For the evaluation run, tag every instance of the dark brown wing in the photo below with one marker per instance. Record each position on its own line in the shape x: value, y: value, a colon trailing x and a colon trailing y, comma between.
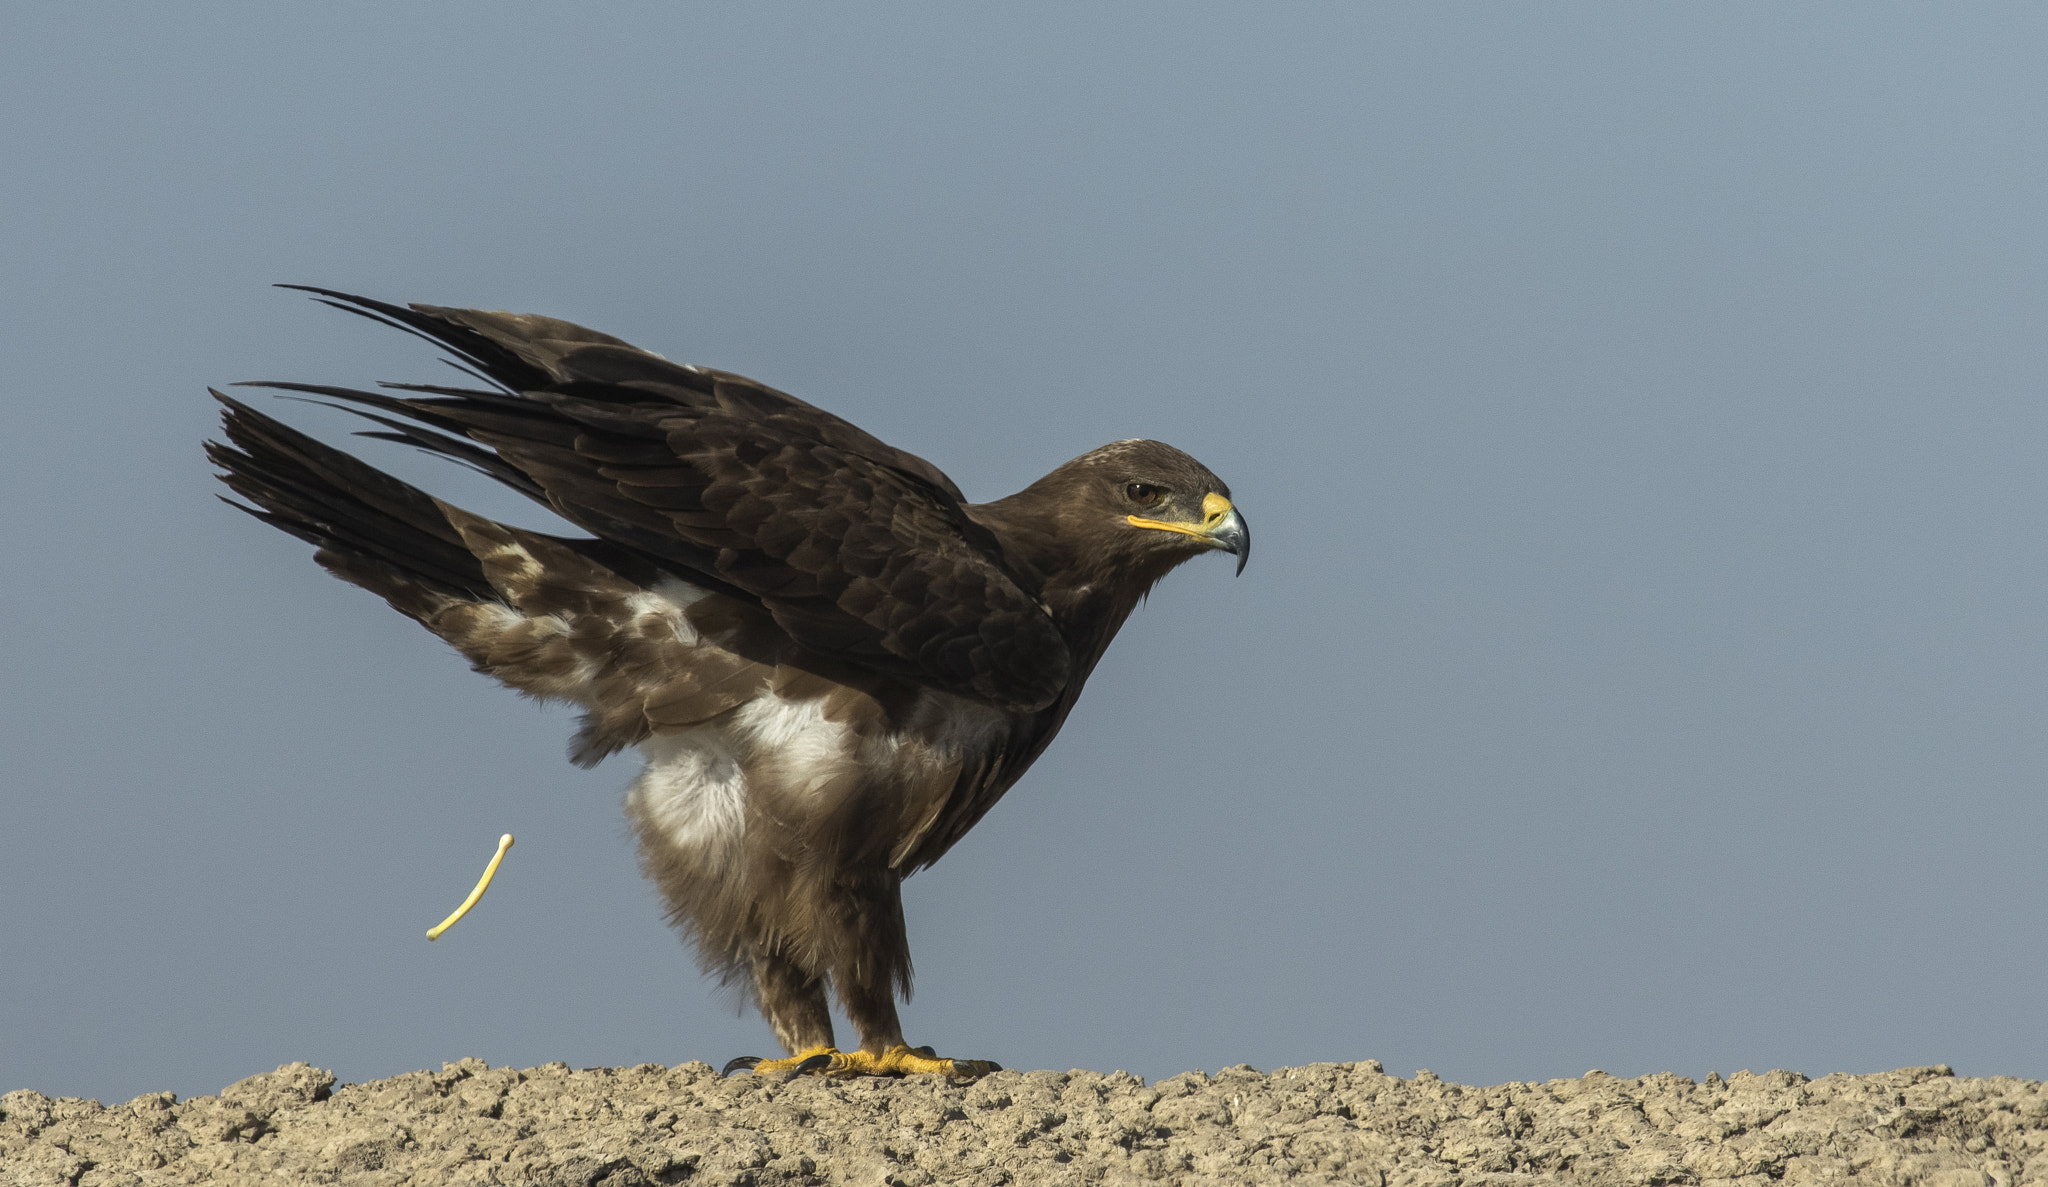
x: 862, y: 552
x: 561, y: 619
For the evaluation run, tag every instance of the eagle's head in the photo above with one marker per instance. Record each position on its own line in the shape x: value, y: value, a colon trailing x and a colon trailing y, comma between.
x: 1124, y: 515
x: 1165, y: 506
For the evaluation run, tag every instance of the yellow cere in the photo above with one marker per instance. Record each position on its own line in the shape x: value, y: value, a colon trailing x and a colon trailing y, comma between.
x: 482, y: 884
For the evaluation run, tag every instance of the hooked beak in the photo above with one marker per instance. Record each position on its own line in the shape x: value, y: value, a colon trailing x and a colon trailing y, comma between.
x: 1222, y: 527
x: 1234, y: 535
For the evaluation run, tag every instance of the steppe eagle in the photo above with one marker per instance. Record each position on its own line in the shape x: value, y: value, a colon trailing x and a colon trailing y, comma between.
x: 832, y: 663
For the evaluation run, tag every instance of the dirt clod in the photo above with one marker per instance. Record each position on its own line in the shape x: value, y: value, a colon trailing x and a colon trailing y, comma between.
x: 1324, y: 1123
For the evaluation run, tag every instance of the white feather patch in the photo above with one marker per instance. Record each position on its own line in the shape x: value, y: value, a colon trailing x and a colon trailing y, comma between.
x: 667, y: 601
x: 792, y: 739
x: 693, y: 790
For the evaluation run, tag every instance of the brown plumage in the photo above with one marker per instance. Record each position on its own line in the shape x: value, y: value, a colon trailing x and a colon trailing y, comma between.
x: 832, y: 662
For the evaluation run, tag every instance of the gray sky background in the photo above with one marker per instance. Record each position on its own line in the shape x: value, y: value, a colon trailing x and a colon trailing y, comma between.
x: 1642, y: 412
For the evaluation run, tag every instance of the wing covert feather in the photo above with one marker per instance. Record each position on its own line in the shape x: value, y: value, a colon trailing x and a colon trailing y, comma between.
x: 860, y: 551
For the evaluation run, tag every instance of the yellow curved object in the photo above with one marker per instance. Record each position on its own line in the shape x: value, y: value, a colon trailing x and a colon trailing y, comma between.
x: 475, y: 896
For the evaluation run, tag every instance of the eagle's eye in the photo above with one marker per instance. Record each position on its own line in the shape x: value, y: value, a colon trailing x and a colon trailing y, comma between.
x: 1143, y: 494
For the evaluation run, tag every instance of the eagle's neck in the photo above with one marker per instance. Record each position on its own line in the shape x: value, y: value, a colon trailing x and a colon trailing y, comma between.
x: 1087, y: 586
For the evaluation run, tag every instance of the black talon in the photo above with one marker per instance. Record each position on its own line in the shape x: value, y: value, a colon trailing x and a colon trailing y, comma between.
x: 745, y: 1062
x: 816, y: 1063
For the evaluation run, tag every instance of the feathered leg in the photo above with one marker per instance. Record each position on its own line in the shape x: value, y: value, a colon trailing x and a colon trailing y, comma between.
x: 875, y: 969
x: 874, y: 966
x: 793, y: 1002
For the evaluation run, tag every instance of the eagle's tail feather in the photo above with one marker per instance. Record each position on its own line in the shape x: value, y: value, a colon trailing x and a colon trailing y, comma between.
x: 372, y: 530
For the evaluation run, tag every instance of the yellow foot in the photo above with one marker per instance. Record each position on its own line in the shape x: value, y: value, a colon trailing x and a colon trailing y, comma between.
x: 896, y: 1061
x: 905, y: 1061
x: 813, y: 1060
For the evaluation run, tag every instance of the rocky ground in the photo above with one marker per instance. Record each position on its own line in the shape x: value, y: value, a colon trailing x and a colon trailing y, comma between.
x: 1325, y: 1123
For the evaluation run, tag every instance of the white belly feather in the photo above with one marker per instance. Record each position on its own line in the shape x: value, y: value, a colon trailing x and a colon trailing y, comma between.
x: 695, y: 788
